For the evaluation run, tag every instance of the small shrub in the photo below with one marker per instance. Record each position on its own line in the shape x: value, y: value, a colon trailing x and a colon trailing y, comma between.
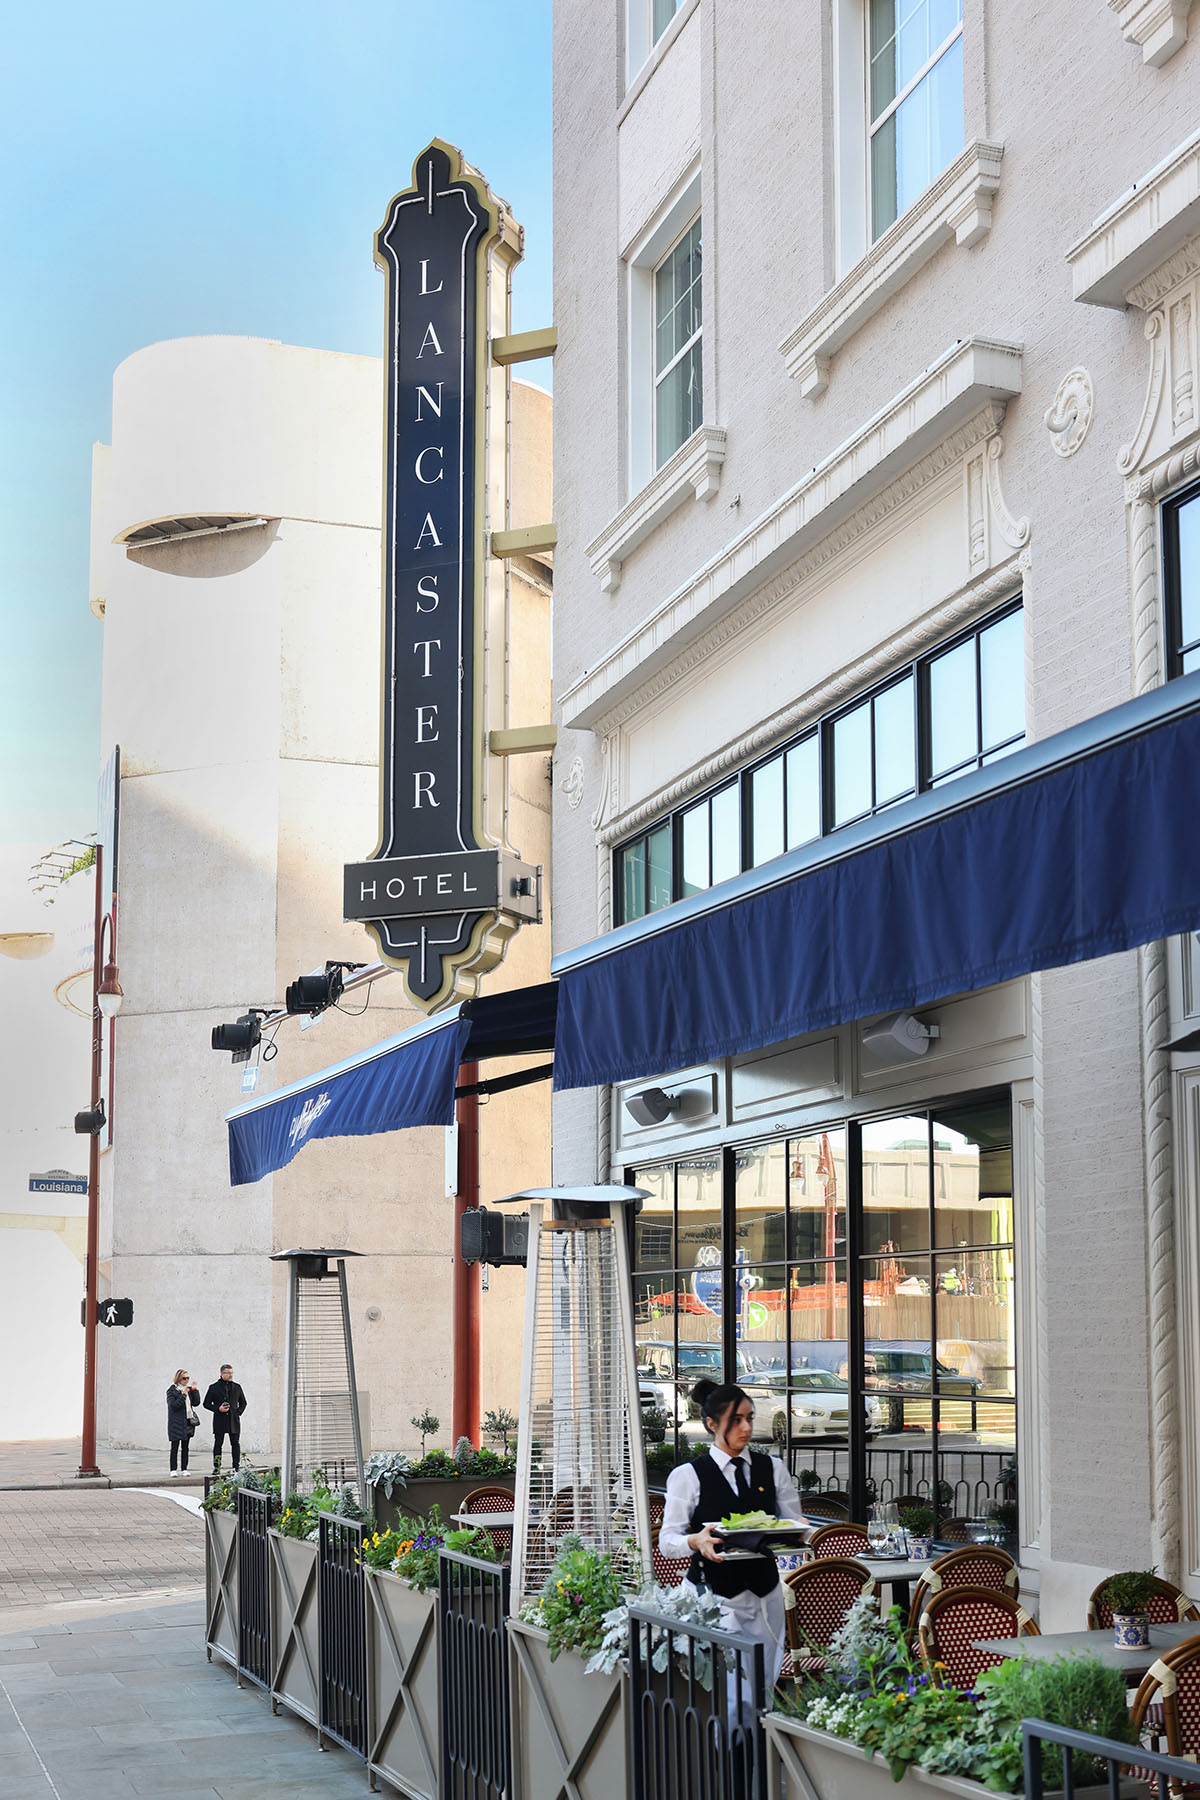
x: 427, y: 1423
x: 1131, y: 1591
x: 499, y: 1425
x: 583, y: 1587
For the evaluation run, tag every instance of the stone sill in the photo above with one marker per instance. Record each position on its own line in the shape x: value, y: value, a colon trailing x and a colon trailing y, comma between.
x: 695, y: 469
x: 1115, y: 262
x: 1159, y: 26
x: 958, y: 204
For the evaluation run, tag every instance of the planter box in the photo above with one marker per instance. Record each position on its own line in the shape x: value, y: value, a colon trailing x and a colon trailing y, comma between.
x: 415, y: 1500
x: 570, y: 1730
x: 221, y: 1586
x: 403, y: 1738
x: 295, y: 1645
x: 801, y: 1761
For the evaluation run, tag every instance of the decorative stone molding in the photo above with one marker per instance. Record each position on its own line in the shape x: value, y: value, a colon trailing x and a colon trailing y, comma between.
x: 694, y: 470
x: 1140, y: 234
x: 1170, y: 412
x: 943, y: 621
x: 1159, y: 26
x: 957, y: 205
x: 954, y: 404
x: 572, y: 783
x: 1069, y: 417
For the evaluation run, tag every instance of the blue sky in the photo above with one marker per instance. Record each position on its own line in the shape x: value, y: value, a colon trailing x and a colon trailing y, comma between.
x: 166, y: 171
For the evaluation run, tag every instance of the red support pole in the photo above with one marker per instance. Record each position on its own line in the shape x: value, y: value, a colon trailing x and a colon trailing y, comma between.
x: 87, y: 1448
x: 466, y: 1275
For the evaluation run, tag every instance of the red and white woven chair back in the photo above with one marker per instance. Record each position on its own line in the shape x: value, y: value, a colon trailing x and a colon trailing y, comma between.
x: 824, y: 1506
x: 1166, y: 1606
x: 956, y: 1618
x: 1167, y: 1705
x: 669, y: 1571
x: 493, y: 1500
x: 839, y: 1539
x: 975, y: 1565
x: 824, y: 1592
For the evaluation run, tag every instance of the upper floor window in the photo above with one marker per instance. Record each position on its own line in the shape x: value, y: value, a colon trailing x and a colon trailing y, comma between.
x: 957, y: 709
x: 915, y: 99
x: 1181, y: 555
x: 678, y: 380
x: 661, y: 14
x: 645, y: 23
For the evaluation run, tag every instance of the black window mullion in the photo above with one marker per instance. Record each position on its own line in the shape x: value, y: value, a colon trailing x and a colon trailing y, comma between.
x: 855, y: 1324
x: 729, y: 1310
x: 979, y: 699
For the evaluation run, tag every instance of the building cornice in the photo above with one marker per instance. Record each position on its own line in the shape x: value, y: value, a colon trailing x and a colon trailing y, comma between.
x: 1159, y: 26
x: 964, y: 391
x: 1128, y: 258
x: 957, y: 205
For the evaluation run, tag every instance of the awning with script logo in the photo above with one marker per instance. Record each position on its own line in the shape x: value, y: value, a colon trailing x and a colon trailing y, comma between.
x: 406, y: 1080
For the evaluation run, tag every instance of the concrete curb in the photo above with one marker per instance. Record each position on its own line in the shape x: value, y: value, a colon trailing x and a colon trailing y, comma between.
x: 94, y: 1481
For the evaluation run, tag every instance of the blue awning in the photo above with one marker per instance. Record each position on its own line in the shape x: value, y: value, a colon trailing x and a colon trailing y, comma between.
x: 1080, y: 845
x: 408, y: 1079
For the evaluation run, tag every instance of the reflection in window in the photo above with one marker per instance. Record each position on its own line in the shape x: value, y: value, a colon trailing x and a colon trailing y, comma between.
x: 678, y: 380
x: 874, y: 753
x: 1181, y: 551
x: 916, y: 100
x: 976, y: 699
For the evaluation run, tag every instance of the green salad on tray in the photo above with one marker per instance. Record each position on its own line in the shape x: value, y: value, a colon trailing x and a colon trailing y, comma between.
x: 754, y: 1521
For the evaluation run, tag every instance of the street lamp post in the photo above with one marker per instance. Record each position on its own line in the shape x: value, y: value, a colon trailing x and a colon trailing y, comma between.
x: 106, y: 1001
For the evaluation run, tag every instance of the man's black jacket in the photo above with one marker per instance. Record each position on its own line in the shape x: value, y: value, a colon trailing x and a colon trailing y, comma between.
x: 218, y: 1393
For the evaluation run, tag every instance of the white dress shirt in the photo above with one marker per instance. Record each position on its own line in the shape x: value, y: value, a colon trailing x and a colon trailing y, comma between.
x: 683, y: 1492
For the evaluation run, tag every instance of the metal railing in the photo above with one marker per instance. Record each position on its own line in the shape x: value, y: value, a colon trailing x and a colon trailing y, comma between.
x: 689, y: 1741
x: 1169, y: 1773
x: 255, y: 1514
x: 342, y: 1632
x: 975, y: 1478
x: 473, y: 1599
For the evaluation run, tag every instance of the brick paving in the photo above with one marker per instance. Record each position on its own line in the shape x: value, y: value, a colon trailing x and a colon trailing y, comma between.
x: 54, y: 1462
x: 95, y: 1544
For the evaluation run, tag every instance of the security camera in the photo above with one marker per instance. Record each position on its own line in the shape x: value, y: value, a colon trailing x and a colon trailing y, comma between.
x: 898, y: 1037
x: 651, y: 1106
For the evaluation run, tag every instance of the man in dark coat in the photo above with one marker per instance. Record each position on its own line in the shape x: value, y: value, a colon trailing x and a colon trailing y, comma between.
x: 226, y: 1402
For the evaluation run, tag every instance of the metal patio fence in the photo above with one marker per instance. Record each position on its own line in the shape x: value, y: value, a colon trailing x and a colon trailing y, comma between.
x: 473, y: 1600
x: 255, y: 1514
x: 689, y: 1741
x: 1168, y: 1774
x: 342, y: 1630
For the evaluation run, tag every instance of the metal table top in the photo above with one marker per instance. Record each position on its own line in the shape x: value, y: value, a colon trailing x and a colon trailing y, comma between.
x: 1094, y: 1643
x: 486, y: 1520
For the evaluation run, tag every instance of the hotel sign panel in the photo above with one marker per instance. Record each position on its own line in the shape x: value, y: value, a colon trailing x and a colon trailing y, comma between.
x: 438, y: 894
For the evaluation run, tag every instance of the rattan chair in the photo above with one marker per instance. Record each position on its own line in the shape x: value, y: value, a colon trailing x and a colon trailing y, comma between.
x: 824, y: 1506
x: 493, y: 1500
x: 817, y: 1597
x: 1166, y: 1606
x: 669, y: 1571
x: 1167, y: 1706
x: 956, y: 1618
x: 953, y: 1531
x: 841, y: 1537
x: 975, y: 1565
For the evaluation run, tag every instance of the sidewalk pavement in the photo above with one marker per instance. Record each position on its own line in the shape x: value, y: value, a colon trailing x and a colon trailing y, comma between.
x: 54, y: 1463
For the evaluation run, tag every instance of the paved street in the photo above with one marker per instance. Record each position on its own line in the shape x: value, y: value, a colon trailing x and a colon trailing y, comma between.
x: 105, y: 1691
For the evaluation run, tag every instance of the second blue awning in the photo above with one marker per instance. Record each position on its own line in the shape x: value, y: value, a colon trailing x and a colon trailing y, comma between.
x: 1075, y: 847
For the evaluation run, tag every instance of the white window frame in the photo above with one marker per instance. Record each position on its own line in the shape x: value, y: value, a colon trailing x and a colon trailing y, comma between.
x: 894, y: 104
x: 697, y: 337
x: 676, y: 217
x: 640, y: 41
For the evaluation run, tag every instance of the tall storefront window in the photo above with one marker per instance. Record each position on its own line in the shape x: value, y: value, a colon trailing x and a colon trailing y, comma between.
x: 858, y: 1282
x: 1181, y: 555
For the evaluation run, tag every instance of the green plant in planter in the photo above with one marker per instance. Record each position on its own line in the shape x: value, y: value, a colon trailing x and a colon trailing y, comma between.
x: 300, y: 1517
x: 582, y: 1588
x: 809, y: 1479
x: 1003, y: 1513
x: 222, y: 1495
x: 655, y: 1420
x: 380, y: 1548
x: 1131, y: 1591
x: 917, y: 1519
x: 499, y: 1425
x: 417, y: 1546
x: 1075, y: 1691
x: 388, y: 1469
x: 427, y: 1423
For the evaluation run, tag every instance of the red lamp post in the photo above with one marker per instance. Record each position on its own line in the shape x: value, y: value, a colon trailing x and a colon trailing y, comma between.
x: 106, y: 1002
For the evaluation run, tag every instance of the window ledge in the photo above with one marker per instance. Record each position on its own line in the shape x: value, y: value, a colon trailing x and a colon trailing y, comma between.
x: 1159, y: 26
x: 958, y: 204
x: 1119, y: 259
x: 695, y: 469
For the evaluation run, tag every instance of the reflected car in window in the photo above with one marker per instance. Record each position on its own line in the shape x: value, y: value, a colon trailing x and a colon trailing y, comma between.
x: 816, y: 1400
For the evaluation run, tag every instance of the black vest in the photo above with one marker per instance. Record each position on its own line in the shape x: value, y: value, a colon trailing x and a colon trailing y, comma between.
x: 717, y: 1500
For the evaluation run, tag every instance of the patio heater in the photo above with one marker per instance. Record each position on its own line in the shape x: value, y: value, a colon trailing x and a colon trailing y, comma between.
x: 581, y: 1465
x: 320, y: 1424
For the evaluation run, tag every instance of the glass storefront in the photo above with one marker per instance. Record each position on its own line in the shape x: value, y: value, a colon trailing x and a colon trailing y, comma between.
x: 857, y: 1281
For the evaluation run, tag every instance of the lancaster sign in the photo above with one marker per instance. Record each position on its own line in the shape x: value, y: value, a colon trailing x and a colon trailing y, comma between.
x: 438, y: 894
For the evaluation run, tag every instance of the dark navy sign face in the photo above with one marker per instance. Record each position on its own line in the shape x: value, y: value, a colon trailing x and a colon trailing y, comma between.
x: 432, y: 247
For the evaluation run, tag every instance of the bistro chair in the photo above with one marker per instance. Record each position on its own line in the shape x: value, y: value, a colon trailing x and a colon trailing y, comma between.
x: 841, y: 1537
x: 669, y: 1571
x: 975, y: 1565
x: 1168, y: 1605
x: 817, y: 1598
x: 956, y: 1617
x: 953, y: 1531
x: 1167, y: 1705
x: 824, y: 1506
x: 493, y: 1500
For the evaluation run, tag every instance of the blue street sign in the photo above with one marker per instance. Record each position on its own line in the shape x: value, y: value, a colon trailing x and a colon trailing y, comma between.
x: 58, y: 1181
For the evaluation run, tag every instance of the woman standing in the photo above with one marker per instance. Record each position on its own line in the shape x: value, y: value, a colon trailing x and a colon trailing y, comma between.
x: 731, y: 1478
x: 182, y: 1417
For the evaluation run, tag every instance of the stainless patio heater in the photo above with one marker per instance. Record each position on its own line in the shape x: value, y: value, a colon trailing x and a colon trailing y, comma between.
x: 320, y: 1423
x: 581, y: 1465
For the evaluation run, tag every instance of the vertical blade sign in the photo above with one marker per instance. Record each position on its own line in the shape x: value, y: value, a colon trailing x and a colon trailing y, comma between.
x: 433, y: 892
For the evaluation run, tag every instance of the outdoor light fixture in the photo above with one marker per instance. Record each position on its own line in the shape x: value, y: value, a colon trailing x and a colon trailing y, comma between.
x: 313, y: 993
x: 109, y: 995
x: 90, y: 1123
x: 899, y: 1037
x: 240, y: 1038
x: 651, y: 1106
x: 1189, y: 1041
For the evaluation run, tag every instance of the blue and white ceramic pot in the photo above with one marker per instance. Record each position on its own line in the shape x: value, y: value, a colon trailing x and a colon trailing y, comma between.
x: 1131, y: 1630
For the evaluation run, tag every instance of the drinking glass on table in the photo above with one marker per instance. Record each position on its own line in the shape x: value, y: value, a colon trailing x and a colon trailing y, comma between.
x: 877, y: 1531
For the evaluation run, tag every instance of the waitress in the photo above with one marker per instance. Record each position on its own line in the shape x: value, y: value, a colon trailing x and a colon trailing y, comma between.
x: 731, y: 1478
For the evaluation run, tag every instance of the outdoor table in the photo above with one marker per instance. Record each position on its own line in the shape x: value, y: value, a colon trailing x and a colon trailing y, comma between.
x: 898, y: 1573
x: 1095, y: 1643
x: 489, y: 1521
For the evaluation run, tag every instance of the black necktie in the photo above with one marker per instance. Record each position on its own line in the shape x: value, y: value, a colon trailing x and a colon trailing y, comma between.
x: 742, y: 1476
